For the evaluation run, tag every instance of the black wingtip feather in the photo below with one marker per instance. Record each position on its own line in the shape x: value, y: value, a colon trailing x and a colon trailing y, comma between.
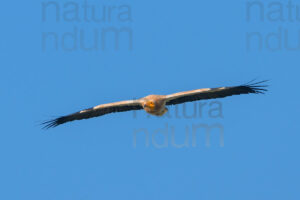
x: 256, y: 87
x: 52, y: 123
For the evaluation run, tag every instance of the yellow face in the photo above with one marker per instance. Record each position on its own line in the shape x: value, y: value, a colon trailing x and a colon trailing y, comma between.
x: 150, y: 104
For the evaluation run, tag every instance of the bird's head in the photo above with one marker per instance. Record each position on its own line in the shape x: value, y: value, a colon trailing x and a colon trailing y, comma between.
x: 149, y: 104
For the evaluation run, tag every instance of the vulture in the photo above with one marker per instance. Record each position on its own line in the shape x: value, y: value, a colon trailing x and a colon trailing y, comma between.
x: 157, y: 104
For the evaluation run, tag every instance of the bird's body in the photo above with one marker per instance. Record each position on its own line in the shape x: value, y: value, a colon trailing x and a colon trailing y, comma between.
x: 156, y: 104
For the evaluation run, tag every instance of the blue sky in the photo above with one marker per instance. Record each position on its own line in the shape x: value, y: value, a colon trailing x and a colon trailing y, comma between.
x: 176, y: 46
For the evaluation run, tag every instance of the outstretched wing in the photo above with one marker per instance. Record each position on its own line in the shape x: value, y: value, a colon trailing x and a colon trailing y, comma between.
x: 213, y: 93
x: 96, y: 111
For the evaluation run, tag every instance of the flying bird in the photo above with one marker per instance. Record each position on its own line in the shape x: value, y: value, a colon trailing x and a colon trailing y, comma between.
x: 156, y: 104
